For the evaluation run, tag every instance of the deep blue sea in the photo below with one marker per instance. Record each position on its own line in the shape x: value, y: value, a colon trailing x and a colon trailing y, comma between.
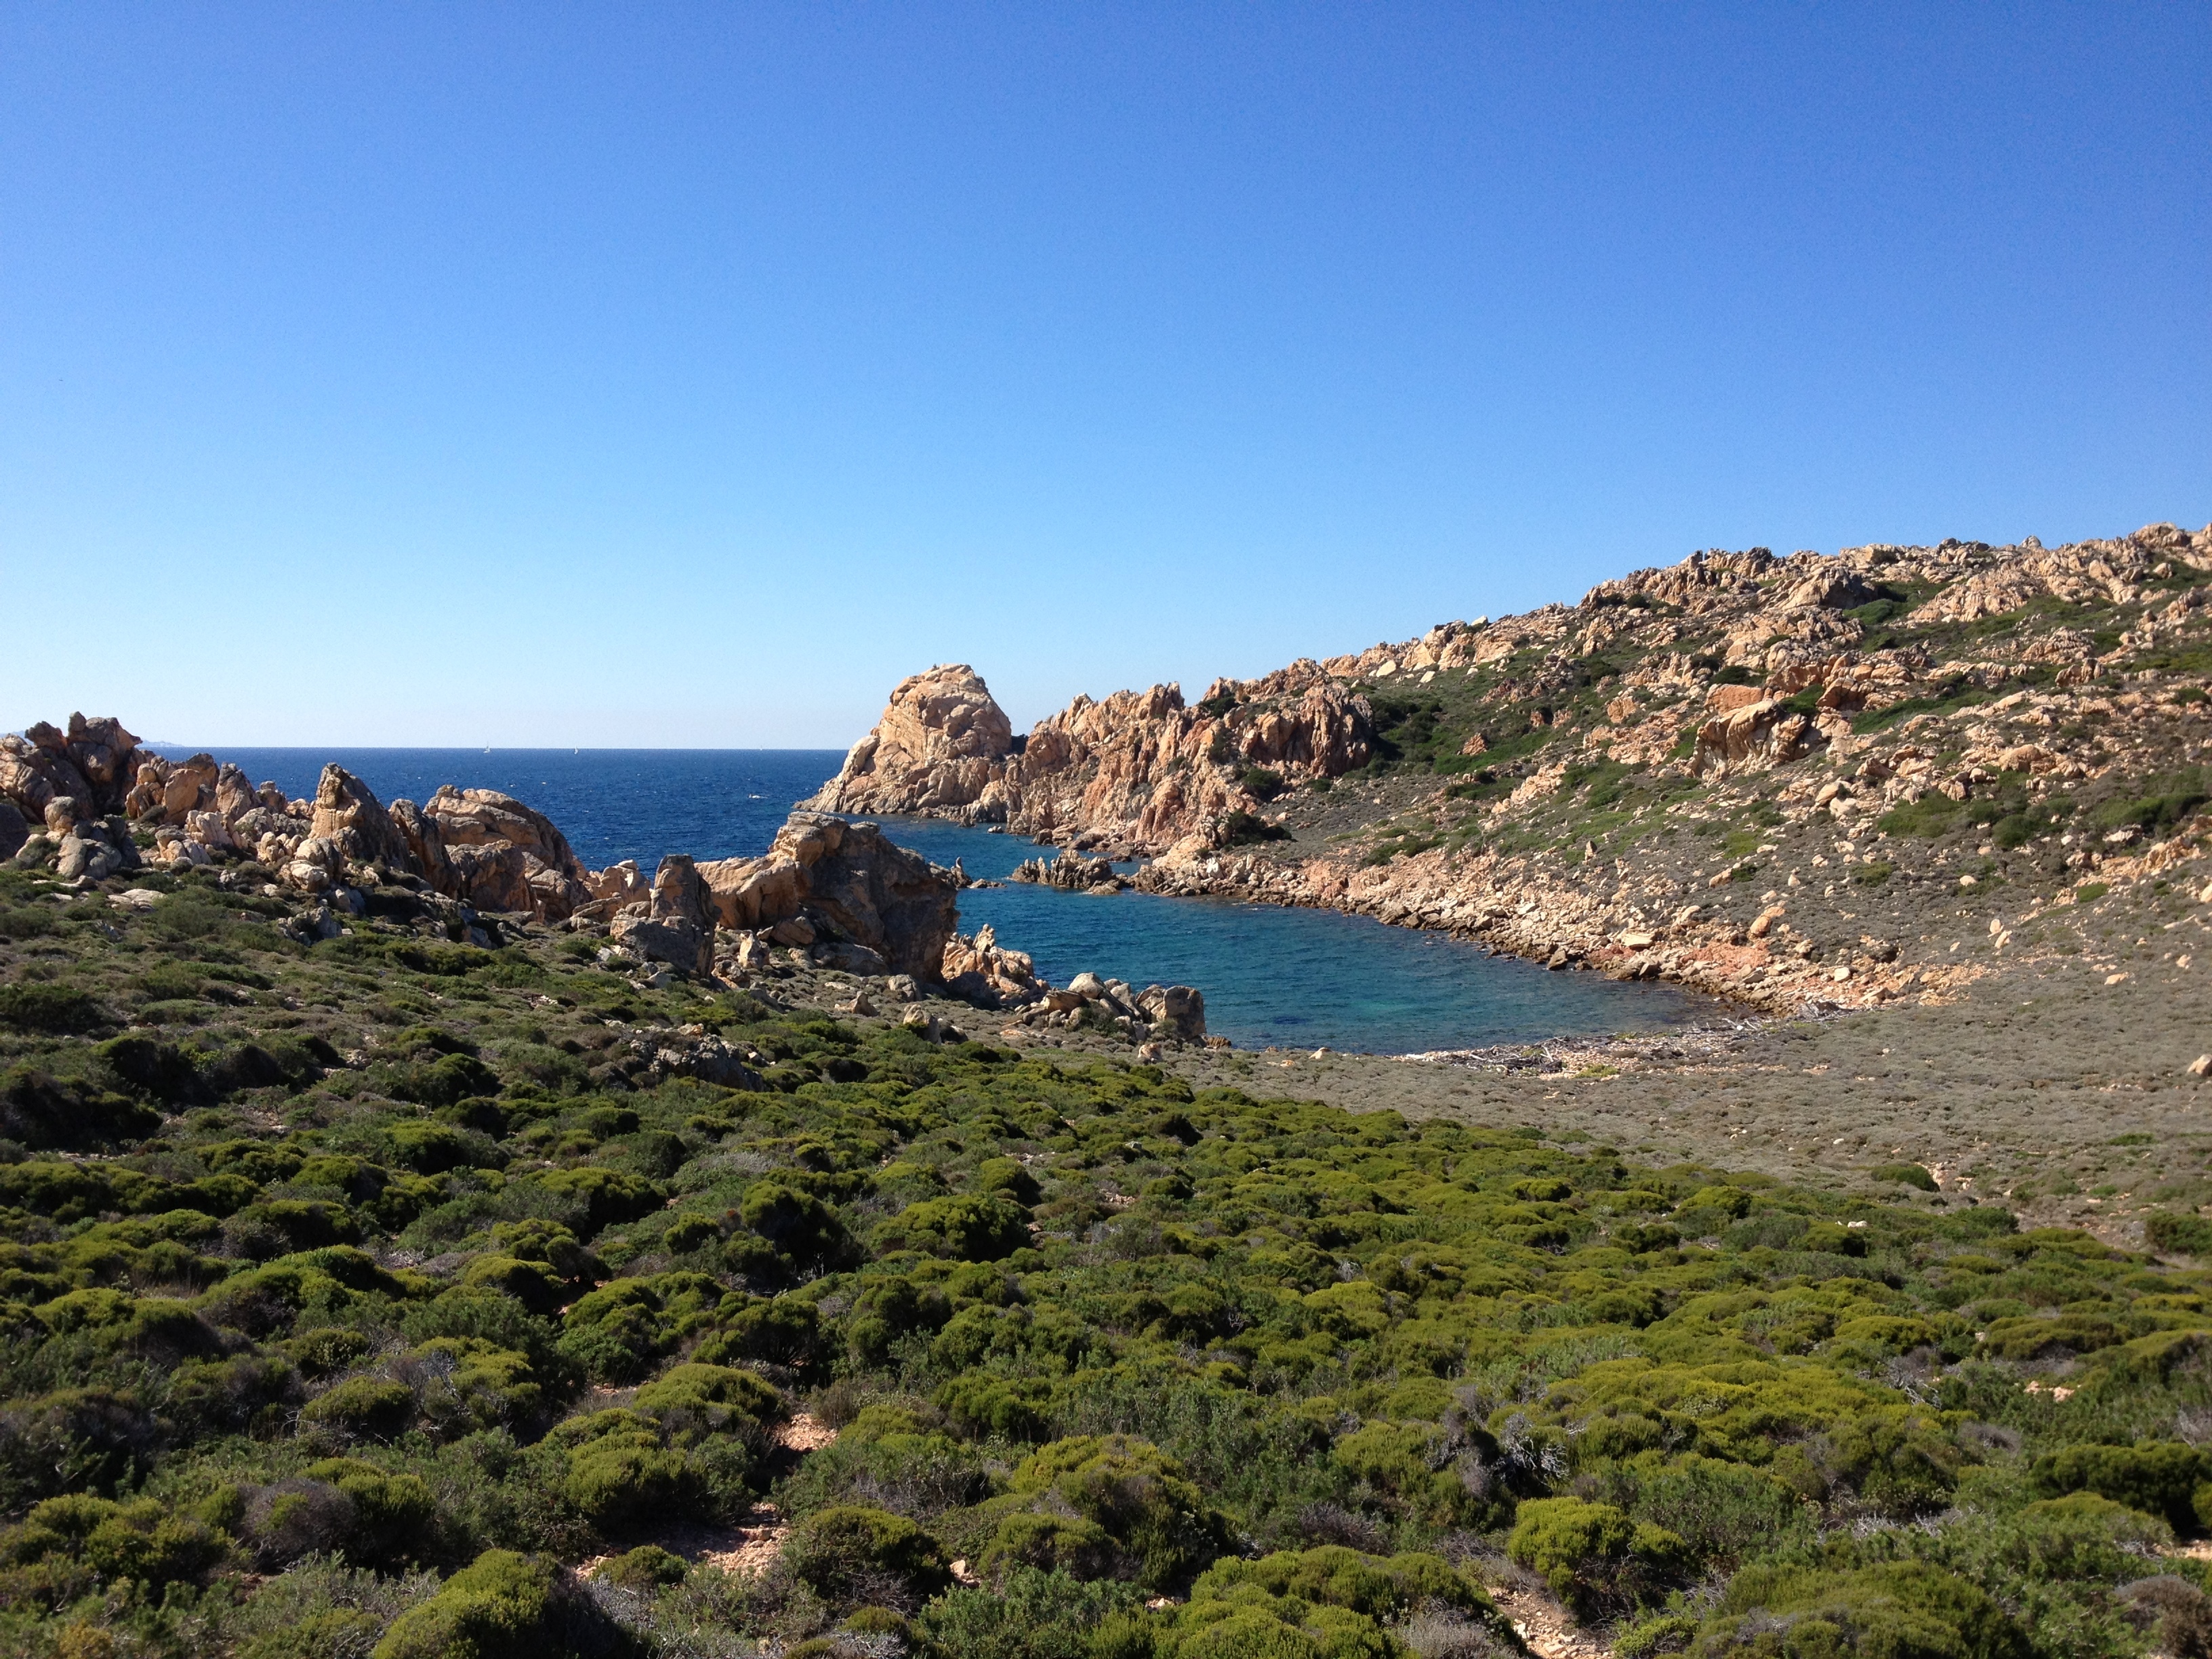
x: 1297, y: 978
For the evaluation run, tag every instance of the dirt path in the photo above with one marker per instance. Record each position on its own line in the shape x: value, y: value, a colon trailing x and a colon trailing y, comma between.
x: 1549, y: 1629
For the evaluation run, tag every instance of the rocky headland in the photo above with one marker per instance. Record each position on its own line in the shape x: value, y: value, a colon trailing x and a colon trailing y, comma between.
x: 1796, y: 781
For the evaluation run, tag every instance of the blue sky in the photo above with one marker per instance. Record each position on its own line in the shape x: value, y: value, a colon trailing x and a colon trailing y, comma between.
x: 687, y: 375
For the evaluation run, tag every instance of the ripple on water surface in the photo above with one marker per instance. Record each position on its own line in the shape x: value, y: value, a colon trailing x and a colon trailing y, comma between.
x: 1271, y: 974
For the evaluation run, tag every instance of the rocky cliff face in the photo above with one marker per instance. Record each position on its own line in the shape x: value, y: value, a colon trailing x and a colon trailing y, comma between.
x: 1135, y: 773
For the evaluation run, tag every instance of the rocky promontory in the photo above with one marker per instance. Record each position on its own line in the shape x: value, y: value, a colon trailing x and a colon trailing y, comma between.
x: 1136, y: 773
x: 1813, y: 778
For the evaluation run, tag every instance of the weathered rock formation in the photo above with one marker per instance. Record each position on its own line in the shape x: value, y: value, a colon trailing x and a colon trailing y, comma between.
x: 94, y: 763
x: 825, y: 881
x: 939, y: 748
x: 1174, y: 1013
x: 1136, y: 773
x: 491, y: 851
x: 982, y: 970
x: 96, y: 792
x: 1071, y: 872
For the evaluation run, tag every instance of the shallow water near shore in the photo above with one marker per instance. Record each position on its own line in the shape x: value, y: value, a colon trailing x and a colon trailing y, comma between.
x: 1271, y: 974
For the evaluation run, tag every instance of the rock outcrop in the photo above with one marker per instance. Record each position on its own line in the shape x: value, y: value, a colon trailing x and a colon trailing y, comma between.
x: 1134, y: 774
x: 489, y: 850
x: 1172, y: 1013
x: 1071, y: 872
x: 939, y: 748
x: 94, y: 763
x: 981, y: 970
x: 826, y: 882
x: 96, y: 792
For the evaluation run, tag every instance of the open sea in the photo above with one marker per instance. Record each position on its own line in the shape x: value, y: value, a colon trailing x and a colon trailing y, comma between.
x: 1271, y: 975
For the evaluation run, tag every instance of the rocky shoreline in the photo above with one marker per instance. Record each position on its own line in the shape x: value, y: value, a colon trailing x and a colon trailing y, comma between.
x: 1798, y: 784
x: 829, y: 897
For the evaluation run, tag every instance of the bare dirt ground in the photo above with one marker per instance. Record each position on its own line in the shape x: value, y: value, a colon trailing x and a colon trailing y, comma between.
x: 2057, y: 1084
x: 2066, y: 1097
x: 1549, y: 1629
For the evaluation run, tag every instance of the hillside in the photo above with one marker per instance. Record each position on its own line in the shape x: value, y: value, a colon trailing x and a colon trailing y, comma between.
x: 396, y: 1293
x: 1830, y: 779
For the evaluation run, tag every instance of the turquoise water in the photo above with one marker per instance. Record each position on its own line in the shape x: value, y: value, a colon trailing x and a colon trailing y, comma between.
x: 1297, y: 978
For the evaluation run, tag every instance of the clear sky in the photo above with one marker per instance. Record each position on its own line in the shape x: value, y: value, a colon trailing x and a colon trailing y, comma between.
x: 675, y: 374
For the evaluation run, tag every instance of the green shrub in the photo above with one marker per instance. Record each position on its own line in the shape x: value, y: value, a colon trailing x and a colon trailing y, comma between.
x: 852, y: 1555
x: 605, y: 1198
x: 445, y: 1081
x: 1899, y: 1610
x: 1049, y: 1543
x: 2159, y: 1478
x: 433, y: 1148
x: 43, y: 1006
x: 797, y: 1226
x: 533, y: 1283
x: 506, y: 1606
x: 695, y: 1399
x: 1007, y: 1408
x: 1009, y: 1176
x: 375, y: 1516
x: 363, y: 1407
x: 2083, y: 1536
x: 160, y: 1070
x: 2178, y: 1235
x: 648, y: 1567
x: 982, y: 1227
x: 1381, y: 1587
x: 2027, y: 1338
x: 465, y: 1384
x: 619, y: 1474
x: 106, y: 1542
x: 1139, y: 1496
x: 1910, y: 1175
x: 1249, y: 830
x: 1593, y: 1556
x: 92, y: 1439
x: 23, y: 923
x: 1030, y: 1615
x: 41, y: 1113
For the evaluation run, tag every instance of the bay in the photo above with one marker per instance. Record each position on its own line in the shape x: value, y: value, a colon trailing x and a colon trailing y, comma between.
x: 1271, y: 975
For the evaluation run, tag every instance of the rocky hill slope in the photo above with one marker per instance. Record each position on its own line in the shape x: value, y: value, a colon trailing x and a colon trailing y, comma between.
x: 1841, y: 778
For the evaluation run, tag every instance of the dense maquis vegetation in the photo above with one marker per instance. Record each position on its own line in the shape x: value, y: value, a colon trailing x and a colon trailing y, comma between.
x: 355, y: 1293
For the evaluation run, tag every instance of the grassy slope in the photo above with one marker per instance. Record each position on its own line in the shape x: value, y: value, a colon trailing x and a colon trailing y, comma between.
x: 331, y: 1270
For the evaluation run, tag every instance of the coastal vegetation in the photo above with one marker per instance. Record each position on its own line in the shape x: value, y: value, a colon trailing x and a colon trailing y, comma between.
x: 386, y: 1293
